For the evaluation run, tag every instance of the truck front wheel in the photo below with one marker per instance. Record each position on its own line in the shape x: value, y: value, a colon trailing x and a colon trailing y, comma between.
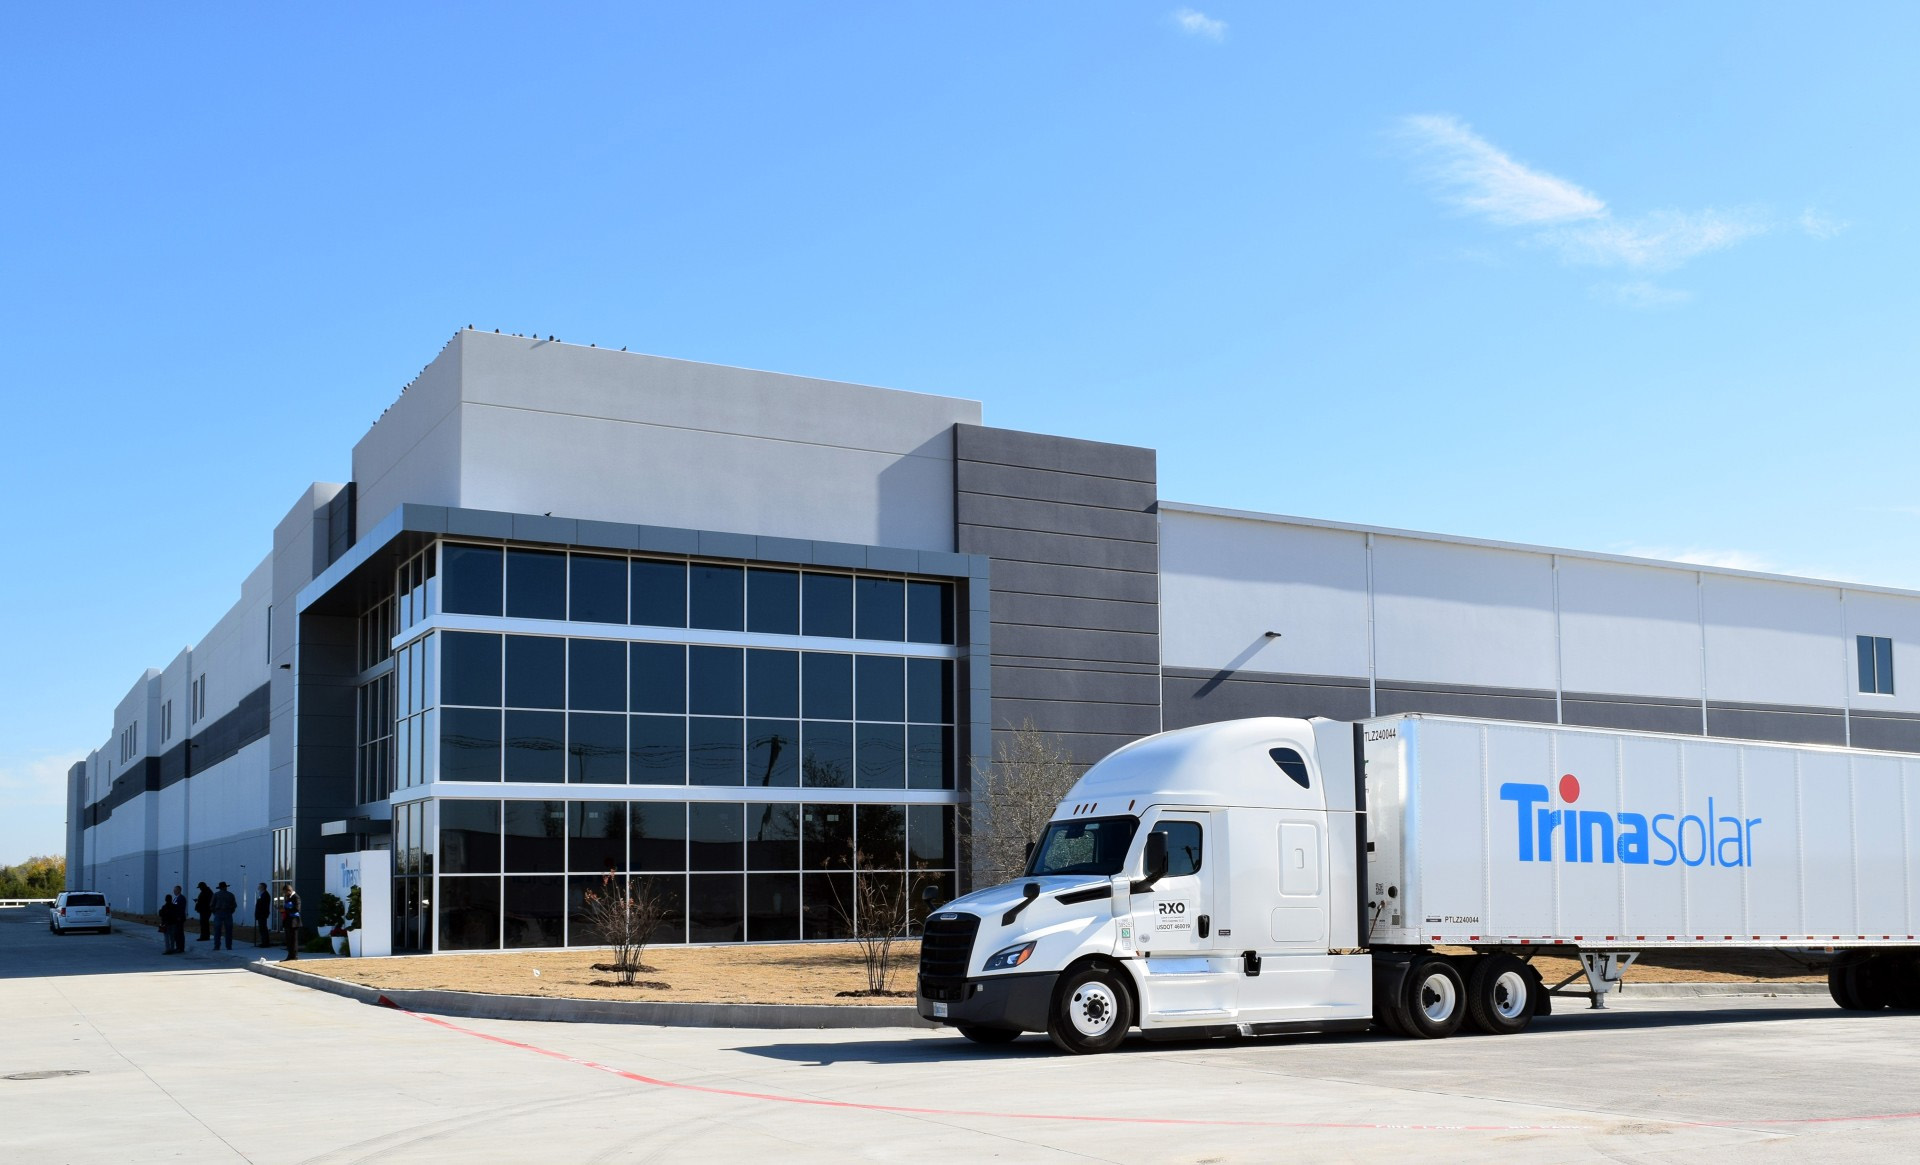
x: 1433, y: 999
x: 1092, y: 1011
x: 989, y: 1035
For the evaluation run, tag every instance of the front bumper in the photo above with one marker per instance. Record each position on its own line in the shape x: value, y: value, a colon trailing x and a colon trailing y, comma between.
x: 1010, y: 1002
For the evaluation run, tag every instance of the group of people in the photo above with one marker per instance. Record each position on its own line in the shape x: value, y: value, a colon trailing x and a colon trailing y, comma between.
x: 216, y: 906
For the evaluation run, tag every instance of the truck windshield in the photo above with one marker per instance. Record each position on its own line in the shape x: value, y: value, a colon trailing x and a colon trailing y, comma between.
x: 1097, y: 845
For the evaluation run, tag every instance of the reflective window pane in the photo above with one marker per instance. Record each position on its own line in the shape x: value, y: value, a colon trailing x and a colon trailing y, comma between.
x: 929, y: 612
x: 671, y: 892
x: 536, y: 584
x: 470, y: 744
x: 826, y: 686
x: 826, y: 754
x: 471, y: 579
x: 929, y: 756
x: 826, y: 905
x: 930, y: 690
x: 879, y: 687
x: 535, y: 746
x: 657, y: 750
x: 597, y: 675
x: 659, y: 593
x: 928, y: 892
x: 715, y: 908
x: 880, y: 608
x: 658, y: 678
x: 773, y: 601
x: 469, y: 837
x: 596, y: 748
x: 773, y: 836
x: 536, y: 671
x: 714, y: 679
x: 773, y: 683
x: 826, y: 605
x: 581, y: 931
x: 534, y: 912
x: 535, y: 833
x: 773, y: 907
x: 659, y: 832
x: 597, y: 589
x: 881, y: 841
x: 826, y: 837
x: 716, y: 596
x: 596, y: 836
x: 930, y: 837
x: 716, y: 839
x: 468, y: 910
x: 879, y: 756
x: 716, y: 750
x: 773, y: 753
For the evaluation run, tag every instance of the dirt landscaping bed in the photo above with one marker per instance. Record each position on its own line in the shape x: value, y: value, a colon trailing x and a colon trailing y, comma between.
x: 818, y: 973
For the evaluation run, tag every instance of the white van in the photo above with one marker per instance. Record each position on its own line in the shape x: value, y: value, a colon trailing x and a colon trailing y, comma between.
x: 80, y: 910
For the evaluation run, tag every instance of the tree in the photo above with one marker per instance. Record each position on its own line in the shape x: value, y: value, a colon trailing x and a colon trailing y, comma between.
x: 1013, y: 799
x: 39, y: 877
x: 625, y: 913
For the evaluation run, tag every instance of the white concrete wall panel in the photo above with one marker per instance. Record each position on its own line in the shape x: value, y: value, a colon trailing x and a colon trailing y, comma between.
x: 411, y: 454
x: 1225, y: 582
x: 1460, y: 614
x: 1628, y: 629
x: 1773, y: 643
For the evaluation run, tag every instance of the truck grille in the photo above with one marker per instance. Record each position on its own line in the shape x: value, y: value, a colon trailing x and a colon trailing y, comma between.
x: 945, y: 949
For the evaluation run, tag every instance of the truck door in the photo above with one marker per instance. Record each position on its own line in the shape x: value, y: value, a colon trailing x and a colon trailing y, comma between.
x: 1178, y: 915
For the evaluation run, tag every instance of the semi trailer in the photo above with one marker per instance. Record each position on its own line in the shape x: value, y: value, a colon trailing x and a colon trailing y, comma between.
x: 1275, y: 875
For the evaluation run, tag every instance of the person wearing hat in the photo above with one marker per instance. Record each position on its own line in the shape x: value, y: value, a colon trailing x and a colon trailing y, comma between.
x: 203, y: 906
x: 224, y: 904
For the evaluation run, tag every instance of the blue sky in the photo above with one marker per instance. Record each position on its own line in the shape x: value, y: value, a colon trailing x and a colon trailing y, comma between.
x: 1632, y: 278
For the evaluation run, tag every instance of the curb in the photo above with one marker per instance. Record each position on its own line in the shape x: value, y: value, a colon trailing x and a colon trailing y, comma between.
x: 1716, y: 990
x: 474, y: 1005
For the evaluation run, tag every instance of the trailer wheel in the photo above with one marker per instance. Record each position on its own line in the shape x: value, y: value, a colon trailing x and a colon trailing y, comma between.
x: 1500, y: 995
x: 1900, y: 982
x: 1851, y: 984
x: 1092, y: 1011
x: 989, y: 1035
x: 1434, y: 1000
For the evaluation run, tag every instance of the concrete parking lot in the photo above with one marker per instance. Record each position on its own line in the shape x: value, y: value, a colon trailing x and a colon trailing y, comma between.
x: 196, y: 1058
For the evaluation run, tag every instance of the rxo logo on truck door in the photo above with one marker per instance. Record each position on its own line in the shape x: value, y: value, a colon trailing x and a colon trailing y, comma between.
x: 1588, y: 835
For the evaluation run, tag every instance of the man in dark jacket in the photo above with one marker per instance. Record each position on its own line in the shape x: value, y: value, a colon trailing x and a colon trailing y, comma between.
x: 171, y: 911
x: 203, y: 906
x: 290, y: 921
x: 224, y: 904
x: 177, y: 927
x: 262, y: 915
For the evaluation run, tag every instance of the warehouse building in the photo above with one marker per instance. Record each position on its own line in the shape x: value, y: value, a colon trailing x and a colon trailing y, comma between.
x: 748, y: 635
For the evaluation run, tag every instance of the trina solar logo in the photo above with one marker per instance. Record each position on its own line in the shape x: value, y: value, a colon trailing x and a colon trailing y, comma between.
x: 1635, y: 839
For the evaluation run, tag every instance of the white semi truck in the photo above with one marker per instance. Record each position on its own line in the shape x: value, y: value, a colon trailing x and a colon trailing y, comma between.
x: 1276, y: 875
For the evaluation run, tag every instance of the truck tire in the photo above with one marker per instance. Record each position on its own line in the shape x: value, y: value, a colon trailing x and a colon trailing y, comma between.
x: 1386, y: 1007
x: 989, y: 1036
x: 1850, y: 984
x: 1900, y: 981
x: 1500, y: 995
x: 1092, y: 1011
x: 1433, y: 1001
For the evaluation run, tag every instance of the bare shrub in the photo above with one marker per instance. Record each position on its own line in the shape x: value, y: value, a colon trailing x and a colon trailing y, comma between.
x: 1014, y: 797
x: 877, y: 917
x: 624, y: 913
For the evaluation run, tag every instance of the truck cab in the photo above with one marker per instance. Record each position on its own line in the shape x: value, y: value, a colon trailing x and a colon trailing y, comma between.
x: 1202, y: 880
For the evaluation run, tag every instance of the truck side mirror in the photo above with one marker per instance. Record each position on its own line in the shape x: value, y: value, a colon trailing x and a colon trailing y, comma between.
x: 1156, y: 863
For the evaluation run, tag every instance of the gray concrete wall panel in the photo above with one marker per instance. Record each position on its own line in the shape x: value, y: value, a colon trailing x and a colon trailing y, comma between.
x: 1052, y: 578
x: 1084, y: 613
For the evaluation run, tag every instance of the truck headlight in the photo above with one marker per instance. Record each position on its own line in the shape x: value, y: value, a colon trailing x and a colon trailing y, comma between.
x: 1011, y: 957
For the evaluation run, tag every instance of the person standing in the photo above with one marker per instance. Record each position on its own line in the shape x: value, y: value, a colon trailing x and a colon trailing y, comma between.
x: 262, y: 914
x: 203, y: 906
x: 290, y: 922
x: 170, y: 909
x: 177, y: 929
x: 224, y: 904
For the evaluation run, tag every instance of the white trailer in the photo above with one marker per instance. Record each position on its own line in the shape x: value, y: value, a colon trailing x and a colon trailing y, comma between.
x: 1277, y: 875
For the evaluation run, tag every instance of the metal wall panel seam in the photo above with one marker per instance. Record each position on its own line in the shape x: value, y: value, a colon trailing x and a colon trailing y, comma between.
x: 1559, y: 654
x: 1846, y: 677
x: 1800, y: 841
x: 1853, y: 837
x: 1373, y: 698
x: 1700, y: 608
x: 1746, y: 879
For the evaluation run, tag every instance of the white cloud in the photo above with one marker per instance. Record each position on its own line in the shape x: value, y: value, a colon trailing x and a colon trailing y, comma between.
x: 1820, y: 224
x: 1477, y: 177
x: 1641, y: 293
x: 1199, y: 24
x: 33, y: 789
x: 1473, y: 175
x: 1659, y: 241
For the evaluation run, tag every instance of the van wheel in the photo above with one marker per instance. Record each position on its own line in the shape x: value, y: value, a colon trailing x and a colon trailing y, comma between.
x: 1433, y: 1001
x: 1092, y: 1011
x: 1500, y: 995
x: 989, y: 1035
